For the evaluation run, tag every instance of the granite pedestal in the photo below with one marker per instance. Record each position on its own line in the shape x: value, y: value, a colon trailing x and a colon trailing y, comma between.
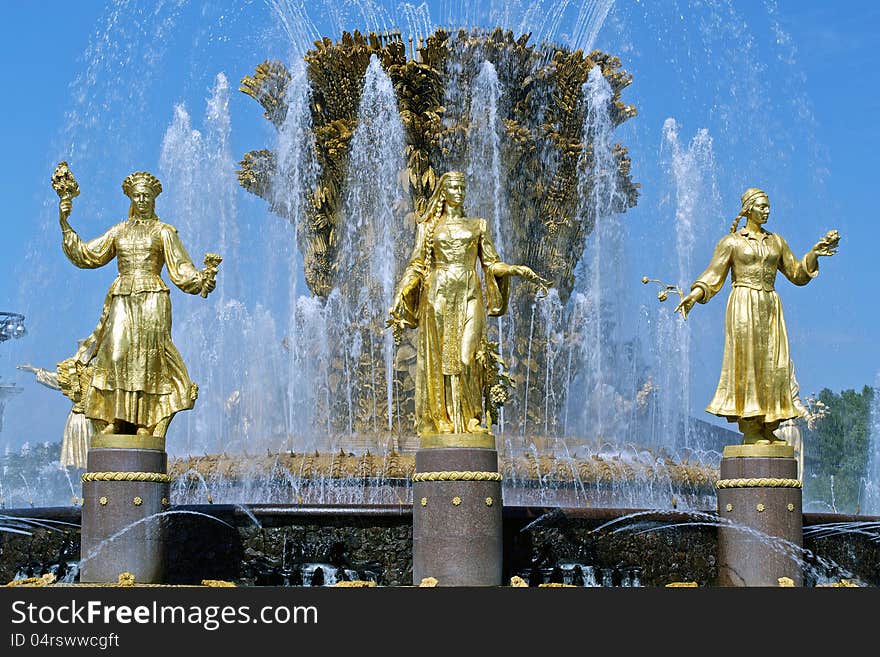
x: 125, y: 491
x: 760, y: 505
x: 457, y: 532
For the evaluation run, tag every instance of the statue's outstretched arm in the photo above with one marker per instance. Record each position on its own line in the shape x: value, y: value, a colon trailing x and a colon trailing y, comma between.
x: 801, y: 272
x: 712, y: 279
x: 524, y: 271
x: 493, y: 263
x: 43, y: 376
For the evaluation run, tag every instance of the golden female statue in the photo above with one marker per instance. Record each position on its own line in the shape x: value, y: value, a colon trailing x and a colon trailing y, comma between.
x: 440, y: 293
x: 757, y: 387
x: 78, y: 429
x: 128, y: 376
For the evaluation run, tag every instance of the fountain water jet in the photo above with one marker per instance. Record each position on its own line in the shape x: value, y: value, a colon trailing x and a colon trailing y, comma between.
x: 871, y: 489
x: 597, y: 313
x: 692, y: 176
x: 314, y: 365
x: 373, y: 239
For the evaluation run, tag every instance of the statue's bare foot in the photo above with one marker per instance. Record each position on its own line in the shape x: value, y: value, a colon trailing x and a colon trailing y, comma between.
x: 144, y: 431
x: 109, y: 428
x: 445, y: 427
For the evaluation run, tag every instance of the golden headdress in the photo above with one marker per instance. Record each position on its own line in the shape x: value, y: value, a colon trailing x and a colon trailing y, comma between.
x: 139, y: 178
x: 748, y: 197
x: 435, y: 204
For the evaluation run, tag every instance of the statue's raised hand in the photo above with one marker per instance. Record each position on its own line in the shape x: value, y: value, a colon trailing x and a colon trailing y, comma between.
x: 65, y: 205
x: 827, y: 246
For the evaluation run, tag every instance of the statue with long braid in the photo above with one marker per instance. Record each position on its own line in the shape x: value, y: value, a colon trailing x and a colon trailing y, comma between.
x: 441, y: 294
x: 756, y: 387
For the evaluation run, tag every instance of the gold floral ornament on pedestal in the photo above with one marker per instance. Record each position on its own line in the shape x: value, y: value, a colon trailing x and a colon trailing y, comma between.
x: 125, y: 579
x: 43, y: 580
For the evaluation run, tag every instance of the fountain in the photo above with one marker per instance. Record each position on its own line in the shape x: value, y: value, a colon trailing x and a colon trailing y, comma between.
x: 546, y: 129
x: 554, y: 173
x: 11, y: 326
x: 871, y: 488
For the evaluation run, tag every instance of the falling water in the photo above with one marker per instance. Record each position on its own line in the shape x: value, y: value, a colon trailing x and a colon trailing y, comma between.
x: 694, y: 197
x: 552, y: 313
x: 309, y: 369
x: 484, y: 178
x: 373, y: 214
x: 180, y: 160
x: 591, y: 17
x: 525, y: 406
x: 485, y: 185
x: 231, y: 351
x: 871, y: 494
x: 595, y: 306
x: 455, y: 103
x: 217, y: 192
x: 295, y: 174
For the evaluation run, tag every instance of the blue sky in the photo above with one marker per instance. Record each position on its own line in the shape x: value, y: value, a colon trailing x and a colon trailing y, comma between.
x: 789, y: 91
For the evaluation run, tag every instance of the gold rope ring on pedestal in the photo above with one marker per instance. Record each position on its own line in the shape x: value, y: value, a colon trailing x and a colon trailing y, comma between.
x: 156, y: 477
x: 759, y: 483
x: 457, y: 476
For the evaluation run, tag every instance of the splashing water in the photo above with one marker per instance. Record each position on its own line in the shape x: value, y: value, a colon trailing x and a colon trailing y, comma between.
x: 694, y: 197
x: 871, y: 489
x: 261, y: 335
x: 373, y: 213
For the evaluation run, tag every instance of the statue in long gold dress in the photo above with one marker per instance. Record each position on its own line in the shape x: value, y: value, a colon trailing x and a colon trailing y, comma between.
x: 756, y: 387
x: 78, y: 429
x: 441, y: 294
x: 127, y: 376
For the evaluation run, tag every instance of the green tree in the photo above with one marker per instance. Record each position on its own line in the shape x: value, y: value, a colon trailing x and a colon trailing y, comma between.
x: 836, y: 451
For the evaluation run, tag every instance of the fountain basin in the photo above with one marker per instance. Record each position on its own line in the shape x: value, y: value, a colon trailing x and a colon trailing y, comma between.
x: 256, y: 545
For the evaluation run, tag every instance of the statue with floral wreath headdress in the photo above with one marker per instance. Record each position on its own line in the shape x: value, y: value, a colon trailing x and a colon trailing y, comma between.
x: 127, y: 376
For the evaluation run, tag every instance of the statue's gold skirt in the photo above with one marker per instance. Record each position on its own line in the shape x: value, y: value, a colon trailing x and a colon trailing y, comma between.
x: 134, y: 372
x: 756, y: 371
